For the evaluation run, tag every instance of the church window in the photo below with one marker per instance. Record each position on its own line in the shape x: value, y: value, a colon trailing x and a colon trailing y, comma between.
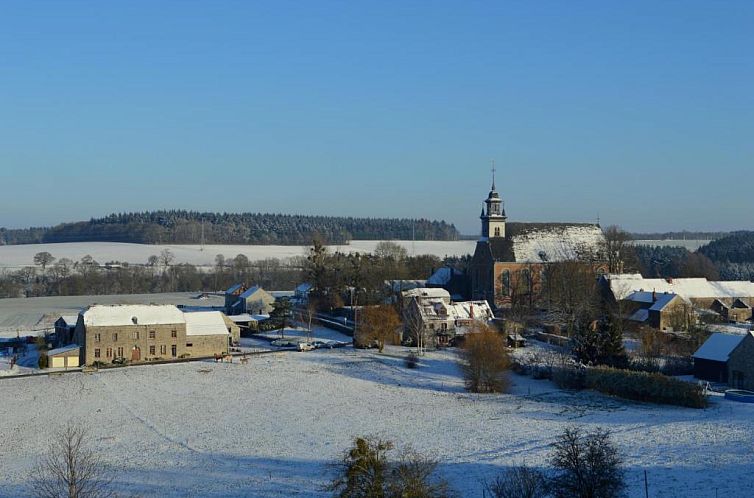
x: 505, y: 281
x: 497, y: 231
x: 526, y: 277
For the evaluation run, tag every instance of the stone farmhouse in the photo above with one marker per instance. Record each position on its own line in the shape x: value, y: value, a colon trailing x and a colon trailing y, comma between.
x: 511, y: 257
x: 441, y: 320
x: 730, y: 301
x: 140, y: 333
x: 254, y: 300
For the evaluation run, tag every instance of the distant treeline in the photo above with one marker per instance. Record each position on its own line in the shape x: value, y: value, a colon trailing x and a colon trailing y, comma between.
x: 191, y: 227
x: 729, y: 258
x: 684, y: 235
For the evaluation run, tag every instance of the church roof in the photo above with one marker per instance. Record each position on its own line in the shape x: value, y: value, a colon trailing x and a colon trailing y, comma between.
x: 546, y: 242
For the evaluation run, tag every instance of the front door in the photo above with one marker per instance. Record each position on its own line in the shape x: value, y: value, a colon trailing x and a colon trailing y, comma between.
x: 136, y: 354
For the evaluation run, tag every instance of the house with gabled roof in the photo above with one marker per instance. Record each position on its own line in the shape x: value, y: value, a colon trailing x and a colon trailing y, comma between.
x: 254, y: 300
x: 711, y: 359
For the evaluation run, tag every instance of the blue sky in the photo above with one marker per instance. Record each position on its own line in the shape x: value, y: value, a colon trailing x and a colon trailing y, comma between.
x: 642, y: 112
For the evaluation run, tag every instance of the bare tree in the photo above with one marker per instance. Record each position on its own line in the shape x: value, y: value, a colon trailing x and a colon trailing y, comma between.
x: 519, y: 482
x: 589, y: 466
x: 618, y: 250
x: 70, y: 468
x: 43, y: 259
x: 166, y: 258
x: 414, y: 325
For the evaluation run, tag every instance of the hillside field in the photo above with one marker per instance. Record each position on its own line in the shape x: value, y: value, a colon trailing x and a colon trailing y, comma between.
x: 16, y: 256
x: 274, y: 427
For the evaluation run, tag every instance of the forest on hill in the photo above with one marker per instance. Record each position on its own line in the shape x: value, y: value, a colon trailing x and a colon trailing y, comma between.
x: 191, y: 227
x: 728, y: 258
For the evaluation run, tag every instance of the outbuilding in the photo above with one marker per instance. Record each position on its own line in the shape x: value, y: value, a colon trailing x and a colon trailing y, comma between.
x: 711, y: 359
x: 64, y: 357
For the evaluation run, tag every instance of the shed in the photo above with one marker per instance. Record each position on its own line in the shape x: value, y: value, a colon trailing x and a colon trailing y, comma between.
x: 711, y: 359
x: 65, y: 357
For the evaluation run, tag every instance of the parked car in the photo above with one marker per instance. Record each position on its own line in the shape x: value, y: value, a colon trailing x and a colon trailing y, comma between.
x: 321, y: 344
x: 284, y: 343
x: 119, y: 361
x: 305, y: 346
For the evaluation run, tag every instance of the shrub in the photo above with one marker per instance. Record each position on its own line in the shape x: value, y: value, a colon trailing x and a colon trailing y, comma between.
x: 412, y: 361
x: 43, y: 360
x: 486, y: 361
x: 570, y: 377
x: 642, y: 386
x: 366, y: 472
x: 519, y: 482
x: 589, y: 466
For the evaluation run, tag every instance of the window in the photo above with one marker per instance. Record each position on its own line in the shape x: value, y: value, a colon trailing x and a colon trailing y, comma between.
x: 189, y: 345
x: 120, y: 352
x: 135, y: 334
x: 174, y: 350
x: 97, y: 337
x: 96, y: 352
x: 115, y: 336
x: 151, y: 350
x: 497, y: 231
x: 505, y: 280
x: 173, y: 333
x: 163, y: 349
x: 109, y: 352
x: 151, y: 334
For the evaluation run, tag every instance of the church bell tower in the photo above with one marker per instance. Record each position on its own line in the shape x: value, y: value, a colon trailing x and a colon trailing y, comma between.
x: 493, y: 219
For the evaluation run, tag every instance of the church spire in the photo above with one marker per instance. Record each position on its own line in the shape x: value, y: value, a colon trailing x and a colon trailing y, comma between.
x: 493, y: 175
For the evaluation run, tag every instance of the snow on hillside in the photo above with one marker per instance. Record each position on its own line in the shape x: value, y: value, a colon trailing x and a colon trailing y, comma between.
x: 272, y: 427
x: 103, y: 252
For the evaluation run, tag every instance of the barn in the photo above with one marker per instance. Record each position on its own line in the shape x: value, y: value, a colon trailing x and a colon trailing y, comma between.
x: 711, y: 359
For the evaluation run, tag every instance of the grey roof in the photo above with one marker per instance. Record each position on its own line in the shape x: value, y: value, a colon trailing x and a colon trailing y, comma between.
x: 233, y: 288
x: 718, y: 347
x: 64, y: 349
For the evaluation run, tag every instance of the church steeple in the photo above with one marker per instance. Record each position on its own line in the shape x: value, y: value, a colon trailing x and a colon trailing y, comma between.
x: 493, y: 221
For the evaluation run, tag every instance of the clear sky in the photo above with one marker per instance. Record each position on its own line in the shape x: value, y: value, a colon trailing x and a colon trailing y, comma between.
x: 642, y: 112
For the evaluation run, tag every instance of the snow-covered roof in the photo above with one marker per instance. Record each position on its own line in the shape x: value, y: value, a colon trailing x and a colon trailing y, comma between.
x: 538, y: 242
x: 100, y: 315
x: 70, y: 320
x: 233, y: 288
x: 403, y: 284
x: 442, y: 276
x: 424, y: 293
x: 622, y: 285
x: 205, y: 323
x: 245, y: 317
x: 250, y: 292
x: 304, y: 288
x: 63, y: 349
x: 718, y: 347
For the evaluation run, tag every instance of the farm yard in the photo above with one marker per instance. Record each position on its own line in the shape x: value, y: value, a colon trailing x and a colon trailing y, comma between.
x: 273, y: 427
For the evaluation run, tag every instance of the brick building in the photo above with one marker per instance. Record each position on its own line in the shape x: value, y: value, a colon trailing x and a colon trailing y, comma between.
x: 511, y: 257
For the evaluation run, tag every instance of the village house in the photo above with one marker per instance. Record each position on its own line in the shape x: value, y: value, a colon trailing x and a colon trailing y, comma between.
x: 139, y: 333
x: 254, y: 300
x: 728, y: 300
x: 64, y: 328
x: 510, y: 257
x: 664, y: 311
x: 441, y: 320
x: 712, y: 357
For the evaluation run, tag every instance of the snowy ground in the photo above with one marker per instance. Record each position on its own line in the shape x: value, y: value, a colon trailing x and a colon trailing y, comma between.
x: 22, y: 255
x: 273, y: 426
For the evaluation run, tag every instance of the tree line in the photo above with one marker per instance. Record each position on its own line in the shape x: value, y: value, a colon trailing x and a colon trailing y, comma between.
x: 192, y: 227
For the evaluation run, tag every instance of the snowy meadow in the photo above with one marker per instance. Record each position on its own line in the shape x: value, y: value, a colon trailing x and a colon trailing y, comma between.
x: 273, y: 427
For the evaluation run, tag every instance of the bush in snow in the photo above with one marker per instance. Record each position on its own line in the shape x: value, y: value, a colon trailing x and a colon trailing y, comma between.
x: 642, y: 386
x: 519, y: 482
x: 412, y: 361
x: 588, y: 465
x: 43, y: 360
x: 486, y: 361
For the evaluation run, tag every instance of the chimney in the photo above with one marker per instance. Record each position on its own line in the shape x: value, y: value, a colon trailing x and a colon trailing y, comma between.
x: 654, y: 296
x: 471, y: 310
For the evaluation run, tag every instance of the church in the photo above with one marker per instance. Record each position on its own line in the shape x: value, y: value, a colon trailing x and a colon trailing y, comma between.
x: 510, y: 257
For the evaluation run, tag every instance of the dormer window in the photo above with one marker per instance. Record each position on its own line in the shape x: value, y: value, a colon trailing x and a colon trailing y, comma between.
x: 134, y: 320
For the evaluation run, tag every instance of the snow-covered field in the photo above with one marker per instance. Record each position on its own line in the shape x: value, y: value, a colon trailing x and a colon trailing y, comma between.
x: 272, y: 427
x: 690, y: 244
x: 103, y: 252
